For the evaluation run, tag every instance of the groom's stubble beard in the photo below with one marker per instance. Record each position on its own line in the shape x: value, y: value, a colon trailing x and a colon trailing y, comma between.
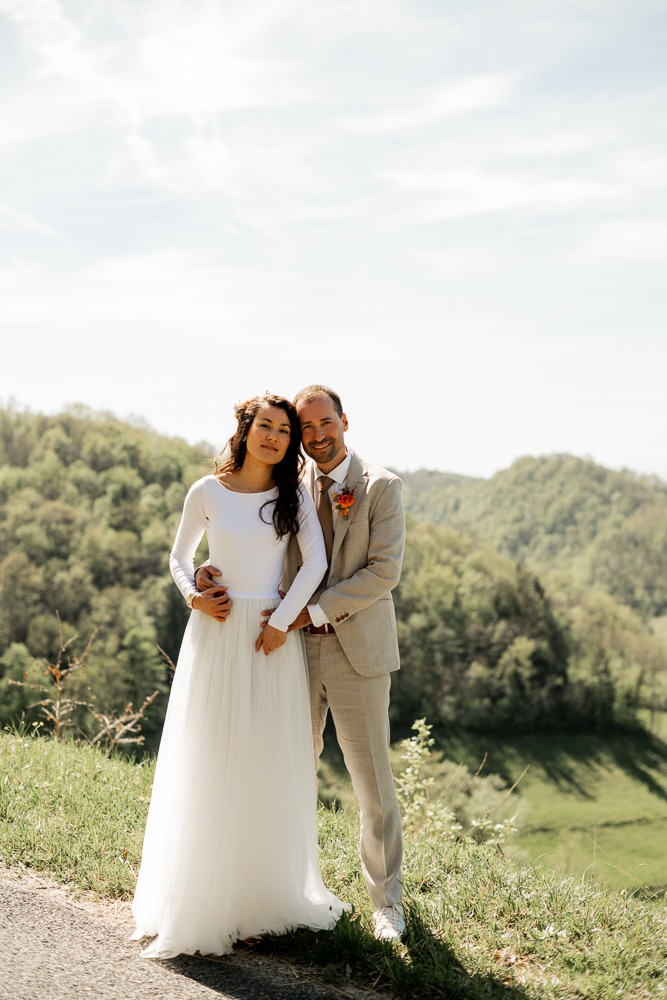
x: 320, y: 455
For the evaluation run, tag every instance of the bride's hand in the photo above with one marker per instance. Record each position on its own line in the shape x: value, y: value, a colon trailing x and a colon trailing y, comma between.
x: 270, y: 638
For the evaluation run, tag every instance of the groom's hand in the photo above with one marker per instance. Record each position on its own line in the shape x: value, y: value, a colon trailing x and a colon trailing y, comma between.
x: 214, y: 602
x: 301, y: 620
x: 217, y: 601
x: 205, y: 577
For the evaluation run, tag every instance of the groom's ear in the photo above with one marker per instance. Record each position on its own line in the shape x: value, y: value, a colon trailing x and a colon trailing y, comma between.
x: 344, y: 420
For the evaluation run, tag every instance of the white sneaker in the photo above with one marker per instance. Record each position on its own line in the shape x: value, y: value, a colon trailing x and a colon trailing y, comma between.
x: 389, y: 923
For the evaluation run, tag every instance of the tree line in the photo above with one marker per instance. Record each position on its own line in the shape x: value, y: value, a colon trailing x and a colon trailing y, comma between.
x: 604, y: 528
x: 89, y: 507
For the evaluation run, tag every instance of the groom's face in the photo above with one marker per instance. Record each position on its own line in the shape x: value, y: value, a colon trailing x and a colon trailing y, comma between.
x: 322, y: 432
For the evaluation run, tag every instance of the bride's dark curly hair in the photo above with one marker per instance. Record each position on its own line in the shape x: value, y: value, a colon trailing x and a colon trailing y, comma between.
x: 286, y: 474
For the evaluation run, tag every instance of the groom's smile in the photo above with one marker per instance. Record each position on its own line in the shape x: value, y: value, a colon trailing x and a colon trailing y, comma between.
x: 322, y: 432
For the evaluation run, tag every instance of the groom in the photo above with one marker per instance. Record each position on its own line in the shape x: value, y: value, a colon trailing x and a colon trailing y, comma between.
x: 350, y: 633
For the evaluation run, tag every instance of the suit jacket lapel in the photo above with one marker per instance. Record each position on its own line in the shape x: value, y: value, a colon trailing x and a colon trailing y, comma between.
x: 354, y: 480
x: 310, y: 478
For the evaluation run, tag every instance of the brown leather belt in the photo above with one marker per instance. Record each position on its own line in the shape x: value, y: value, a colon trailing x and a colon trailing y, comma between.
x: 320, y: 629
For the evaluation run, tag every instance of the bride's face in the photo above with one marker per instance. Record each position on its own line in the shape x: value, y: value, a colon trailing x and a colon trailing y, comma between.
x: 269, y: 435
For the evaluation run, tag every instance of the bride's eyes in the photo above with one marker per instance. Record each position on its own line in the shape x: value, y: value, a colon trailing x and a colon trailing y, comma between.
x: 269, y: 427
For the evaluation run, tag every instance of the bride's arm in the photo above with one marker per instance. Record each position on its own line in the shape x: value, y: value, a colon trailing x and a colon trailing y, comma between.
x: 213, y: 602
x: 314, y: 566
x: 188, y: 536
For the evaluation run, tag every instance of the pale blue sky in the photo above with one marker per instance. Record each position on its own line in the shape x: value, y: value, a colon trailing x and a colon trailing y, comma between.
x: 454, y: 213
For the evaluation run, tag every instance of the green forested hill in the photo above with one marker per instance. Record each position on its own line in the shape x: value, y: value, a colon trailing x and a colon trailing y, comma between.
x: 490, y: 638
x: 89, y: 506
x: 561, y: 513
x: 487, y: 645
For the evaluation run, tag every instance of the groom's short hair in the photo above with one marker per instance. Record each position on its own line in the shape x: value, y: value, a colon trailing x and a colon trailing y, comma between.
x: 311, y: 392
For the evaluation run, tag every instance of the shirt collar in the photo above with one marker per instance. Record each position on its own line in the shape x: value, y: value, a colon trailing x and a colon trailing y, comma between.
x: 340, y: 472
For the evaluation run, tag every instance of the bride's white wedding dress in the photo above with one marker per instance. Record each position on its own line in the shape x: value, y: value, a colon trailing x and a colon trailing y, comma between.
x: 230, y: 848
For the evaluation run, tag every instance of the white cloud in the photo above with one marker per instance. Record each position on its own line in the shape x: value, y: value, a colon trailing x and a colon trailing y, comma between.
x: 632, y: 240
x: 213, y: 59
x: 50, y: 35
x: 12, y: 221
x: 456, y: 97
x: 472, y: 191
x: 179, y: 70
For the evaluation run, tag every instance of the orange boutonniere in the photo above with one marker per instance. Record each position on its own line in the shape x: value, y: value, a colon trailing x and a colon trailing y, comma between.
x: 344, y: 501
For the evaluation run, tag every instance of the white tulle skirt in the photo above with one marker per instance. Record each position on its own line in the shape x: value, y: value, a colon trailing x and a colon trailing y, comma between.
x: 230, y: 849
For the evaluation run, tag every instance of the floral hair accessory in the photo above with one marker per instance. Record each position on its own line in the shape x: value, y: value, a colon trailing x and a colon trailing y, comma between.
x: 343, y: 501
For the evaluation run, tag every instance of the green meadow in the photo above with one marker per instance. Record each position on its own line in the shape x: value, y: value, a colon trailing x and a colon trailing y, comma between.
x: 596, y: 808
x: 589, y: 806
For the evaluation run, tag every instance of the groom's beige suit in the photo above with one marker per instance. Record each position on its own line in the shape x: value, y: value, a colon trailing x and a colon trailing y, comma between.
x: 349, y: 671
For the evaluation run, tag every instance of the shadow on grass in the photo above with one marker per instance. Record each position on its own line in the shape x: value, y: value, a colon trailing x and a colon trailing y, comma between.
x: 422, y: 965
x: 432, y: 969
x: 561, y: 757
x: 639, y: 758
x: 641, y: 755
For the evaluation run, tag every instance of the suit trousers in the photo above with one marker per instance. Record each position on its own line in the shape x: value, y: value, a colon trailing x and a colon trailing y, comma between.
x: 360, y: 710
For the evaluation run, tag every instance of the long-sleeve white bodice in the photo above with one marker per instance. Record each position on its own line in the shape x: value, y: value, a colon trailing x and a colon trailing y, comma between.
x: 245, y: 546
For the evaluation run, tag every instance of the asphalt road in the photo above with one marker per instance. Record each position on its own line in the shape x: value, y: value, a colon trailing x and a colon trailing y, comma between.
x: 53, y: 948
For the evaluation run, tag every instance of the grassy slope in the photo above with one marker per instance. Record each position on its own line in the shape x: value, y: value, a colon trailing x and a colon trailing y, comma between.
x: 593, y: 806
x: 479, y: 926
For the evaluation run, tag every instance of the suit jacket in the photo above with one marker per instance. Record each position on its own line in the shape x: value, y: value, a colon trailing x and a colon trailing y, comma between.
x: 365, y: 567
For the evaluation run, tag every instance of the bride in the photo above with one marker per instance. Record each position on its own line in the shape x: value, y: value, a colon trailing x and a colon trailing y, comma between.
x: 230, y: 849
